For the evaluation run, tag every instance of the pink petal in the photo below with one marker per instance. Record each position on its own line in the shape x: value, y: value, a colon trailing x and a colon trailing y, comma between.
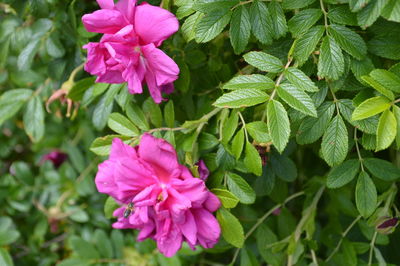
x: 212, y: 203
x: 193, y: 189
x: 106, y: 4
x: 170, y: 242
x: 104, y: 21
x: 160, y: 155
x: 207, y: 227
x: 113, y: 77
x: 127, y: 8
x: 120, y: 149
x: 189, y: 229
x: 157, y: 29
x: 104, y: 179
x: 161, y: 65
x: 155, y: 91
x: 95, y: 63
x: 146, y: 231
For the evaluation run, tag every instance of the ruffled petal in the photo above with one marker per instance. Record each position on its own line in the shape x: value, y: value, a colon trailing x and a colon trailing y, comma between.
x: 127, y: 8
x: 160, y: 155
x: 120, y: 149
x: 207, y: 227
x: 170, y: 240
x: 104, y: 21
x: 189, y: 229
x: 106, y: 4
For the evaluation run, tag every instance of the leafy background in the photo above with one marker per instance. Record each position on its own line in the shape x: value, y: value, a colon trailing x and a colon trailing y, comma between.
x: 292, y: 104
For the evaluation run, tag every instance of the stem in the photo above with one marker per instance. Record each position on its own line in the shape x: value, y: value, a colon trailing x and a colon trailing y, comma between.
x: 321, y: 2
x: 371, y: 248
x: 343, y: 236
x: 335, y: 100
x: 358, y: 149
x: 279, y: 79
x: 165, y: 129
x: 244, y: 126
x: 74, y: 72
x: 262, y: 219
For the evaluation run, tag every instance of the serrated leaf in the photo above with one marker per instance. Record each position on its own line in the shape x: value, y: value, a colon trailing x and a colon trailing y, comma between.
x: 370, y: 13
x: 232, y: 230
x: 26, y: 56
x: 240, y: 188
x: 252, y: 159
x: 368, y: 125
x: 258, y: 130
x: 341, y: 14
x: 212, y: 24
x: 343, y: 174
x: 54, y: 47
x: 387, y: 130
x: 396, y: 112
x: 302, y: 21
x: 137, y: 116
x: 297, y: 99
x: 122, y: 125
x: 83, y: 248
x: 312, y: 128
x: 284, y: 167
x: 334, y: 144
x: 366, y: 195
x: 331, y: 61
x: 379, y: 87
x: 240, y: 29
x: 102, y: 146
x: 387, y: 79
x: 229, y: 127
x: 237, y: 144
x: 368, y: 141
x: 261, y: 22
x: 254, y: 81
x: 307, y: 43
x: 300, y: 80
x: 207, y: 6
x: 371, y: 107
x: 241, y: 98
x: 382, y: 169
x: 34, y: 119
x: 357, y: 5
x: 264, y: 61
x: 11, y: 102
x: 153, y: 112
x: 189, y: 26
x: 348, y: 40
x: 78, y: 89
x: 169, y: 114
x: 361, y: 67
x: 296, y: 4
x: 228, y: 200
x: 392, y: 11
x: 278, y: 124
x: 279, y: 26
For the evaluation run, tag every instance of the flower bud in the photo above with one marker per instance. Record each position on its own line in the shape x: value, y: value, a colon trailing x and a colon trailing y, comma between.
x: 387, y: 225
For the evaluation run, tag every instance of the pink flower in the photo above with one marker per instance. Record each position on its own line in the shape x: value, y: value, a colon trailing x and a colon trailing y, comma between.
x: 203, y: 170
x: 166, y: 202
x: 128, y: 50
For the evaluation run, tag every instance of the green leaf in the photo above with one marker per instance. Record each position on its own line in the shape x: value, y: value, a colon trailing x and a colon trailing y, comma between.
x: 240, y: 29
x: 396, y: 112
x: 370, y: 13
x: 169, y: 114
x: 307, y: 43
x: 371, y: 107
x: 392, y: 11
x: 83, y: 248
x: 278, y: 124
x: 297, y: 99
x: 296, y: 4
x: 232, y: 230
x: 341, y: 14
x: 302, y: 21
x: 54, y: 47
x: 34, y: 119
x: 264, y: 61
x: 368, y: 141
x: 387, y: 130
x: 5, y: 258
x: 258, y: 130
x: 237, y: 144
x: 300, y: 80
x: 109, y: 207
x: 284, y: 167
x: 229, y: 127
x: 11, y: 101
x: 4, y: 51
x: 343, y: 174
x: 189, y: 26
x: 348, y: 40
x: 312, y: 128
x: 207, y: 6
x: 252, y: 159
x: 279, y: 27
x: 241, y: 98
x: 382, y: 169
x: 101, y: 146
x: 102, y: 111
x: 261, y: 22
x: 228, y: 200
x: 378, y: 86
x: 207, y: 141
x: 387, y: 79
x: 331, y: 61
x: 255, y: 81
x: 79, y: 88
x: 366, y: 195
x: 212, y: 24
x: 8, y: 234
x: 136, y: 115
x: 240, y: 188
x: 152, y: 111
x: 335, y: 142
x: 103, y: 243
x: 368, y: 125
x: 26, y: 56
x: 357, y: 5
x: 122, y: 125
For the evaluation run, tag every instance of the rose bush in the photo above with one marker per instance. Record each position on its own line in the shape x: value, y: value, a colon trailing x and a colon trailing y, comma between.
x: 198, y: 132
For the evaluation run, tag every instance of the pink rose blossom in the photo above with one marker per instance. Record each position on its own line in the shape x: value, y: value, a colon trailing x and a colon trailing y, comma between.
x: 167, y: 203
x: 128, y: 51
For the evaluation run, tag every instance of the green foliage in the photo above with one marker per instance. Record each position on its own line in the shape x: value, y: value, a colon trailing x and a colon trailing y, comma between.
x: 293, y: 105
